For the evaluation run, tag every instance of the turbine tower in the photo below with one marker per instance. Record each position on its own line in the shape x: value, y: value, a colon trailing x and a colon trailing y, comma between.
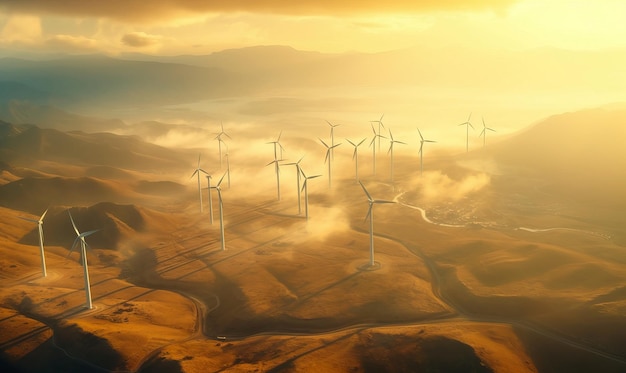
x: 197, y: 171
x: 305, y: 187
x: 39, y: 223
x: 355, y: 156
x: 220, y: 141
x: 467, y: 124
x: 422, y: 141
x: 277, y: 170
x: 332, y: 137
x: 208, y: 178
x: 373, y: 145
x: 328, y: 159
x: 80, y: 238
x: 219, y: 196
x: 483, y: 133
x: 370, y: 215
x: 298, y: 172
x: 380, y: 125
x: 227, y: 167
x: 391, y: 142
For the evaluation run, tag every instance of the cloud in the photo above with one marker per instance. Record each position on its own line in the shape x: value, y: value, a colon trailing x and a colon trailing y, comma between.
x: 72, y: 43
x: 140, y: 10
x: 140, y: 40
x: 21, y: 29
x: 436, y: 186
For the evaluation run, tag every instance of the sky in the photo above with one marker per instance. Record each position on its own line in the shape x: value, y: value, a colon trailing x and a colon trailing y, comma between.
x: 168, y: 27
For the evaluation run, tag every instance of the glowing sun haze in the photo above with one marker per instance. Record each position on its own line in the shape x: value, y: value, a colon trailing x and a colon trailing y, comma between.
x: 197, y: 27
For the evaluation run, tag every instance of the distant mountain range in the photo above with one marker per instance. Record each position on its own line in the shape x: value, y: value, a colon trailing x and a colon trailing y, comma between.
x: 135, y: 80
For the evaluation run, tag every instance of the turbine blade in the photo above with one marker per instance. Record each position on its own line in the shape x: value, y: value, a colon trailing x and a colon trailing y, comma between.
x: 369, y: 212
x: 43, y: 215
x: 324, y: 143
x: 351, y: 143
x: 73, y: 224
x: 369, y: 198
x: 382, y: 201
x: 361, y: 142
x: 420, y: 132
x: 76, y: 240
x: 222, y: 178
x: 83, y: 235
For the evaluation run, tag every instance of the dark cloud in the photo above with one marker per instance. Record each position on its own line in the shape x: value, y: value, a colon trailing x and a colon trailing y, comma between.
x: 141, y: 10
x: 140, y: 39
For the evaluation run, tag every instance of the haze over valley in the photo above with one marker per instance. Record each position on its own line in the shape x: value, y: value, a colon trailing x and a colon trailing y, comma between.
x: 200, y: 188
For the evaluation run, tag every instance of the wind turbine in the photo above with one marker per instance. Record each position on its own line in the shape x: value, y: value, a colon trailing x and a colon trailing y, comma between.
x: 277, y: 170
x: 380, y: 124
x: 220, y: 141
x: 197, y: 171
x: 370, y: 215
x: 298, y: 171
x: 277, y: 145
x: 467, y: 124
x: 332, y: 137
x: 208, y: 178
x: 328, y: 159
x: 422, y: 141
x: 80, y: 238
x: 355, y: 156
x: 219, y: 196
x: 391, y: 142
x: 39, y: 223
x: 305, y: 187
x: 483, y: 133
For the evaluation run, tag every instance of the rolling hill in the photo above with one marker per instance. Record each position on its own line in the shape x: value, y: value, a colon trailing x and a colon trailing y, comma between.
x: 24, y: 144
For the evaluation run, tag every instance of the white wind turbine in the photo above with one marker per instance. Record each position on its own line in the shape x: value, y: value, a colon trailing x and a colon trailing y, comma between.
x: 332, y: 137
x: 39, y: 223
x: 355, y: 156
x: 391, y: 142
x: 80, y: 238
x: 277, y: 146
x: 328, y: 159
x: 305, y: 187
x: 422, y: 141
x: 298, y: 171
x: 483, y: 133
x: 220, y: 141
x: 370, y: 215
x: 197, y: 171
x: 467, y: 125
x: 219, y: 196
x: 380, y: 125
x: 373, y: 145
